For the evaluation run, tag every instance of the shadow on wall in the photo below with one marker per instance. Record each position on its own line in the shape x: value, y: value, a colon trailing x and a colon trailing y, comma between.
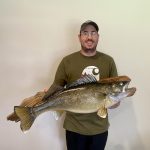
x: 123, y: 132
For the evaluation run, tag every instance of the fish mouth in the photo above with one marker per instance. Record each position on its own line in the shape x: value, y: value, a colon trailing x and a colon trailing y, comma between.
x: 130, y: 91
x: 119, y: 79
x: 125, y: 88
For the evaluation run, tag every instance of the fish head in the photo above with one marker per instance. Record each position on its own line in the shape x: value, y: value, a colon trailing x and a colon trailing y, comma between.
x: 118, y: 88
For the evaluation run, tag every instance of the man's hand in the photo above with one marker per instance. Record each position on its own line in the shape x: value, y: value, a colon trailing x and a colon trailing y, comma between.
x: 45, y: 90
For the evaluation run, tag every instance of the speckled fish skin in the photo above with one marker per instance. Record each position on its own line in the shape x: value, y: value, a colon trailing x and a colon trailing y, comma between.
x: 82, y: 99
x: 83, y: 96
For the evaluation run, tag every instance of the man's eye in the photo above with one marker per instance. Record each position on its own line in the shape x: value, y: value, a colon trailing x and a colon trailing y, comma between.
x: 93, y: 33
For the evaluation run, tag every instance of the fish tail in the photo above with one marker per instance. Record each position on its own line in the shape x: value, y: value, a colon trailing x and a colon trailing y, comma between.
x: 26, y: 117
x: 13, y: 117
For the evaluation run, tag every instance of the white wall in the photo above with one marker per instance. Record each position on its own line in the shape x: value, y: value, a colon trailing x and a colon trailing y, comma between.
x: 36, y: 34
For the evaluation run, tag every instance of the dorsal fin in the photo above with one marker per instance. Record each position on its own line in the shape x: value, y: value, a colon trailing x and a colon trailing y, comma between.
x: 83, y: 80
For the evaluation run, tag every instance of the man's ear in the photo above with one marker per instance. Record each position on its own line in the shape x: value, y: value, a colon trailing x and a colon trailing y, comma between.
x: 79, y: 37
x: 98, y: 37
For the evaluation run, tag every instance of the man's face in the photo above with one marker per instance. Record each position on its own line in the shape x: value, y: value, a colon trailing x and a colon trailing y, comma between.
x: 89, y: 39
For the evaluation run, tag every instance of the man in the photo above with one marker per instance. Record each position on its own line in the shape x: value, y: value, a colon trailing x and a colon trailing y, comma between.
x: 85, y: 131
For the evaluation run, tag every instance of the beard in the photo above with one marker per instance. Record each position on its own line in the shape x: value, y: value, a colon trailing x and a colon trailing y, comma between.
x: 87, y: 48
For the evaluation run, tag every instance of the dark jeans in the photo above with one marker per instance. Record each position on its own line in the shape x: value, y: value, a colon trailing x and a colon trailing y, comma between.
x: 77, y: 141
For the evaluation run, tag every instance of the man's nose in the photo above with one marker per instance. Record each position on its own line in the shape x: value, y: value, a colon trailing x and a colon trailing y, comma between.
x: 89, y: 36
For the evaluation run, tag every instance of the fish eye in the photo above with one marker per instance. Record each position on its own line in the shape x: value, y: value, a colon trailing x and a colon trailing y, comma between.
x: 121, y: 83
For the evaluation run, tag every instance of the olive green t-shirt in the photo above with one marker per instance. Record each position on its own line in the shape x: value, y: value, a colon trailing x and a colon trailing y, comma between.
x: 71, y: 68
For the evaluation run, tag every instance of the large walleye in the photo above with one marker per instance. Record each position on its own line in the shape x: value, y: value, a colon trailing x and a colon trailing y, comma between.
x: 85, y: 95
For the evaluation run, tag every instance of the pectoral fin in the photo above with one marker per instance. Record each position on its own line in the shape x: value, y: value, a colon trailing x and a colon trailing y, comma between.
x: 102, y: 112
x: 109, y: 103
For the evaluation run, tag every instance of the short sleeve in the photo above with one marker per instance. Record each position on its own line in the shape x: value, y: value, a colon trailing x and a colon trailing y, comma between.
x: 113, y: 69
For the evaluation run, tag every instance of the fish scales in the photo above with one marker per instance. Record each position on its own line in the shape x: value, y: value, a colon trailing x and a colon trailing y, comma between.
x: 85, y: 99
x: 85, y: 95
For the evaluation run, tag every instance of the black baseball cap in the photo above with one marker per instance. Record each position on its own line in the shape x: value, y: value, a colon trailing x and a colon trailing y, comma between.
x: 89, y: 22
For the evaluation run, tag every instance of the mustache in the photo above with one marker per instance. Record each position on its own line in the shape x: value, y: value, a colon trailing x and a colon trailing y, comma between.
x: 89, y: 41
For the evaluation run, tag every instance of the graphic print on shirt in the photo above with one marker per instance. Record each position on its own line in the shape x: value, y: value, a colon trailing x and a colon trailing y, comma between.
x: 92, y: 70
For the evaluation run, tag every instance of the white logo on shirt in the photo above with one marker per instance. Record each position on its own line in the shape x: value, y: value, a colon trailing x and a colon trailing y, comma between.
x: 92, y: 70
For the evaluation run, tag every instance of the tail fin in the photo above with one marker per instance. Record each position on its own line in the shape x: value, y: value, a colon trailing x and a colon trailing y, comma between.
x: 13, y: 117
x: 26, y: 117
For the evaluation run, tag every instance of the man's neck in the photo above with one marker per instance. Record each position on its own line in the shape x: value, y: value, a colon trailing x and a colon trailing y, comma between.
x: 88, y: 54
